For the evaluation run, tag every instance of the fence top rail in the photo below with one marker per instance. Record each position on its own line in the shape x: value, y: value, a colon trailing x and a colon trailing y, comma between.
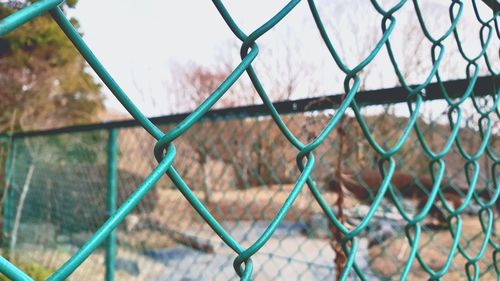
x: 484, y: 86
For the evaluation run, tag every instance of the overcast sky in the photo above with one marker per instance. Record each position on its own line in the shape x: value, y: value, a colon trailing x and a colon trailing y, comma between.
x: 139, y: 41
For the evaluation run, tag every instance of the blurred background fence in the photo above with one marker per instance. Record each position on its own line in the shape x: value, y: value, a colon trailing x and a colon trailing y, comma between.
x: 238, y: 163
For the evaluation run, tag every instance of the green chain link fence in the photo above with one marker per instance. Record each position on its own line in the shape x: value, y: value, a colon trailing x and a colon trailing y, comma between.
x: 263, y: 191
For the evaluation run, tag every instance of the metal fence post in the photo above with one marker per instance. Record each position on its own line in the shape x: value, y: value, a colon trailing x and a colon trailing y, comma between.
x: 111, y: 202
x: 8, y: 203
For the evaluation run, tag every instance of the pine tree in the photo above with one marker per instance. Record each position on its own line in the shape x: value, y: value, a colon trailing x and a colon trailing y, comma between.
x: 44, y: 81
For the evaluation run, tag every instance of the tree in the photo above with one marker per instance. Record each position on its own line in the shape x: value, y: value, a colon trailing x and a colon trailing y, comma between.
x: 43, y: 83
x: 42, y: 76
x: 281, y: 70
x: 194, y: 84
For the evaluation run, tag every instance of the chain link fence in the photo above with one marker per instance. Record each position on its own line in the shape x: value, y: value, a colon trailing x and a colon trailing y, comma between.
x: 238, y: 164
x: 401, y: 185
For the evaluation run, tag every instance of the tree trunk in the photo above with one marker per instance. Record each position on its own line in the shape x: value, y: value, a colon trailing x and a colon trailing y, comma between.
x: 206, y: 184
x: 340, y: 257
x: 19, y: 210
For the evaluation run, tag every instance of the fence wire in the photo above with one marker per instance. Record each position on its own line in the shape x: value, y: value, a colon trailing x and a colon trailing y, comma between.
x: 457, y: 154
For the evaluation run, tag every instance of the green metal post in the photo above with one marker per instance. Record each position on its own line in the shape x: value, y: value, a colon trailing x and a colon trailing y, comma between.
x: 7, y: 204
x: 111, y: 202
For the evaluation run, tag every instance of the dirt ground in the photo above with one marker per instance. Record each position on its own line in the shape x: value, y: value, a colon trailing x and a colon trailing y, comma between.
x: 289, y: 255
x: 250, y: 204
x: 388, y: 258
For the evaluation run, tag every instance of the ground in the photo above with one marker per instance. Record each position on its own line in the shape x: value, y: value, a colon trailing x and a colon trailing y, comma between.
x: 294, y: 252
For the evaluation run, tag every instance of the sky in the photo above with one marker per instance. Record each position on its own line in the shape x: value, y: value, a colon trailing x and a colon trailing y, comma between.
x: 140, y: 41
x: 137, y: 42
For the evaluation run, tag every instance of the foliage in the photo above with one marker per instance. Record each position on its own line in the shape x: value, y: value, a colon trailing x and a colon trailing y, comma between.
x: 35, y: 270
x: 43, y: 79
x: 72, y: 210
